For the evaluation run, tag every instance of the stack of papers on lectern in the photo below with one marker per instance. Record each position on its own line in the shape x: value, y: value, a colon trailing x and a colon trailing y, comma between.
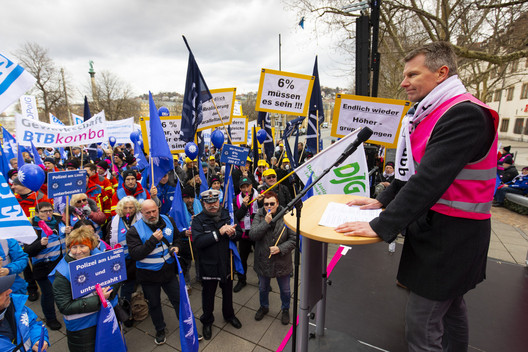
x: 338, y: 213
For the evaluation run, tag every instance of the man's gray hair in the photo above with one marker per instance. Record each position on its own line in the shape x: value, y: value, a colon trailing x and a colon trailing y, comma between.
x: 437, y: 54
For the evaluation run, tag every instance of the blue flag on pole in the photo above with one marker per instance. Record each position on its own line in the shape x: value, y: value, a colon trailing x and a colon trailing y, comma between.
x: 188, y: 332
x: 108, y: 334
x: 36, y: 156
x: 92, y: 148
x: 316, y: 108
x: 10, y: 145
x: 160, y: 153
x: 292, y: 127
x: 139, y: 155
x: 4, y: 165
x: 20, y: 157
x: 196, y: 93
x: 229, y: 196
x: 264, y: 121
x: 178, y: 211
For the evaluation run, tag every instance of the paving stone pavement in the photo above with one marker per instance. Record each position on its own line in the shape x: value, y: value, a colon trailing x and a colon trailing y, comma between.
x: 508, y: 244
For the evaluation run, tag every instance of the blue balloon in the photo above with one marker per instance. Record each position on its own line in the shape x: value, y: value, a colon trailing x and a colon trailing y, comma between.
x: 261, y: 136
x: 112, y: 141
x: 99, y: 153
x: 163, y: 111
x: 134, y: 136
x: 191, y: 150
x: 217, y: 137
x: 31, y: 176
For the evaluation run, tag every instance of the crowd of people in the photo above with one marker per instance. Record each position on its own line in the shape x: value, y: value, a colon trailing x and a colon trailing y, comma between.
x: 121, y: 209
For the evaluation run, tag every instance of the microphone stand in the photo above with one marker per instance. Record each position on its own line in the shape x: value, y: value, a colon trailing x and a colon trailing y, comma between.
x: 297, y: 204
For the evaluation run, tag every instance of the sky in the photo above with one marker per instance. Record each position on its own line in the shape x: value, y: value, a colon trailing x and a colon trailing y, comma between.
x: 141, y: 42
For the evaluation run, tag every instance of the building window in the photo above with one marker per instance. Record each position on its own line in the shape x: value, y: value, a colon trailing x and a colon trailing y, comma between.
x: 519, y: 123
x: 509, y: 95
x: 524, y: 91
x: 497, y: 95
x: 514, y: 66
x: 505, y: 123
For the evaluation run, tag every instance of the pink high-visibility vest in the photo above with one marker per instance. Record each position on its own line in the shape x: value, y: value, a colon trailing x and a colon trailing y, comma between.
x: 471, y: 193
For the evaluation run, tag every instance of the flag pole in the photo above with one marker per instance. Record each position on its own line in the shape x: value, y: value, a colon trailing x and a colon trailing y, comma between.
x: 67, y: 210
x: 151, y: 168
x: 278, y: 239
x: 317, y: 131
x: 192, y: 252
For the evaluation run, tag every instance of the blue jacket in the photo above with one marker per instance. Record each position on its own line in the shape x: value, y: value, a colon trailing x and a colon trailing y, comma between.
x: 28, y: 328
x: 160, y: 255
x: 16, y: 260
x: 520, y: 182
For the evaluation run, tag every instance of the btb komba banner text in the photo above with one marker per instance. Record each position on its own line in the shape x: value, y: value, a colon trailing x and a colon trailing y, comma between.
x: 48, y: 135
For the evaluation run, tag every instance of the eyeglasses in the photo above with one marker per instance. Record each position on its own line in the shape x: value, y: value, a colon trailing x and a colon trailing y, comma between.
x: 270, y: 177
x: 269, y: 204
x: 81, y: 201
x: 46, y: 211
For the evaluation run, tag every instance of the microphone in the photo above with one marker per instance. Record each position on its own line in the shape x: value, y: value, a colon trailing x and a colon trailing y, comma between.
x: 362, y: 136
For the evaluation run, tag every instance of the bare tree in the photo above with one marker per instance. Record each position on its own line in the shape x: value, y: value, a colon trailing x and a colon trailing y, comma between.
x: 48, y: 90
x: 487, y: 35
x: 115, y: 97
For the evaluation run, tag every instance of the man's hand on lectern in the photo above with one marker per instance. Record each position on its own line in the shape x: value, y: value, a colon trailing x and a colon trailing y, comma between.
x: 366, y: 203
x: 356, y: 228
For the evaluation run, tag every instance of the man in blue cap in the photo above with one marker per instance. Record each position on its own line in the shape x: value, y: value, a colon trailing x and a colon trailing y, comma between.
x: 19, y: 328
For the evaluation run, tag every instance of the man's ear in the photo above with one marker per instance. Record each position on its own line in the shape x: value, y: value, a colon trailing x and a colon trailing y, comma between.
x: 442, y: 74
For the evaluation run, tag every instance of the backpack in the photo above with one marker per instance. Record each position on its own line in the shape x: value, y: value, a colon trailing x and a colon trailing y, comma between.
x: 139, y: 306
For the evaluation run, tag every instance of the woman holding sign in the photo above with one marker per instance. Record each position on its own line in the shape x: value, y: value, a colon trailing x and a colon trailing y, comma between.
x: 274, y: 243
x: 80, y: 315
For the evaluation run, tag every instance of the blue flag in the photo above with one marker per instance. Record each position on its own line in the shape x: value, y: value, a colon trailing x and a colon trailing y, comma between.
x: 310, y: 192
x: 178, y: 211
x: 36, y: 156
x: 264, y: 121
x: 108, y: 334
x: 188, y: 332
x: 316, y: 108
x: 4, y: 165
x: 255, y: 149
x: 10, y: 145
x: 92, y: 148
x: 292, y: 127
x: 63, y: 154
x: 229, y: 196
x: 160, y: 153
x: 196, y: 93
x: 236, y: 258
x: 20, y: 157
x: 14, y: 81
x: 139, y: 155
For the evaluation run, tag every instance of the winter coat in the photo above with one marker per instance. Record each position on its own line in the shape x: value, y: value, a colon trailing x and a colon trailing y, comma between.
x: 265, y: 235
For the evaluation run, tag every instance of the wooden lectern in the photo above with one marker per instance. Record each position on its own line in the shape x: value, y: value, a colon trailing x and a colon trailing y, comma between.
x: 313, y: 260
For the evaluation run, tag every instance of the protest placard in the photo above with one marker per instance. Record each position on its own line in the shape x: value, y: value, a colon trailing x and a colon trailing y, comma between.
x: 51, y: 135
x: 239, y: 130
x: 284, y: 92
x: 232, y: 154
x: 66, y: 183
x: 381, y: 115
x: 171, y: 127
x: 107, y: 268
x: 237, y: 110
x: 224, y: 100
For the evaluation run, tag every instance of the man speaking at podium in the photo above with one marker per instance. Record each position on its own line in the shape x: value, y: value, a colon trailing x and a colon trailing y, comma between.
x: 441, y: 198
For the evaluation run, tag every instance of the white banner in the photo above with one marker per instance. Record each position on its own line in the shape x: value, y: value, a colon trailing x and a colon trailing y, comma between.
x: 239, y: 130
x: 14, y: 81
x: 224, y: 100
x: 54, y: 120
x: 351, y: 177
x: 284, y: 92
x: 251, y: 124
x: 28, y: 105
x: 120, y: 129
x: 49, y: 135
x: 383, y: 116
